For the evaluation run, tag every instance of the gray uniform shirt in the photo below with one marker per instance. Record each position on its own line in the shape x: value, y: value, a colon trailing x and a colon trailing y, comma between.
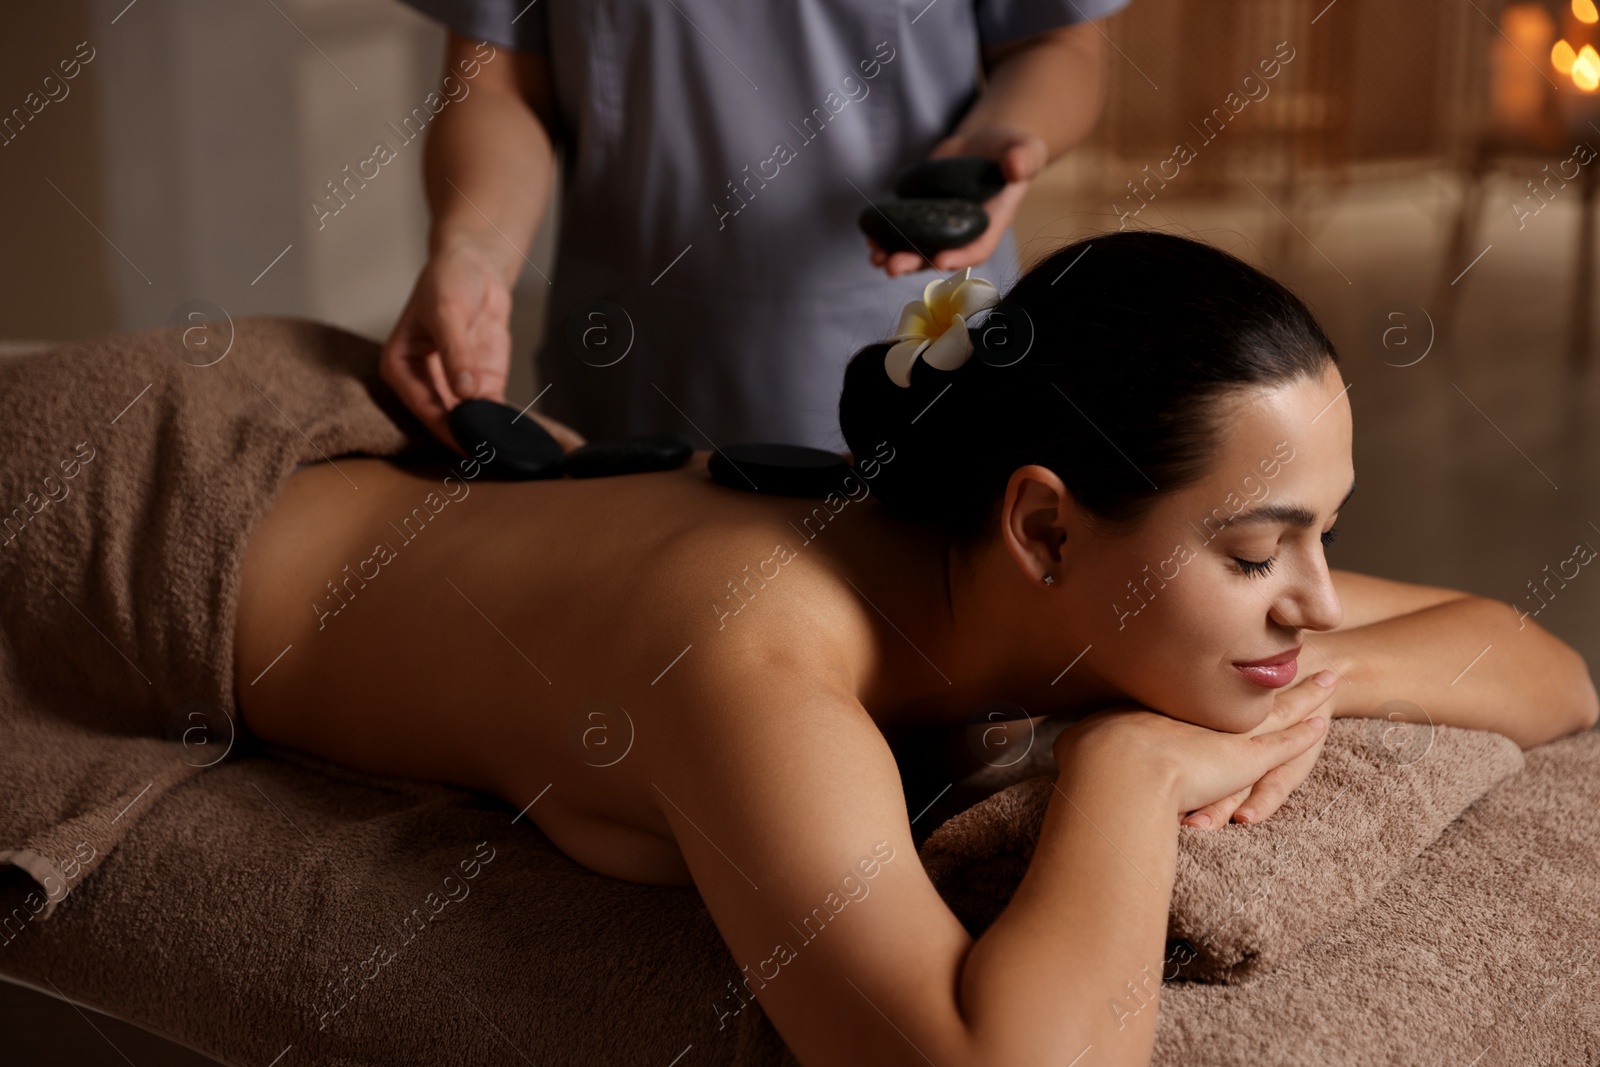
x: 710, y: 277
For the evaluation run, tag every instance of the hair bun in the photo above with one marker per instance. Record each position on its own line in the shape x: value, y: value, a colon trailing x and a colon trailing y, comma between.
x: 909, y: 433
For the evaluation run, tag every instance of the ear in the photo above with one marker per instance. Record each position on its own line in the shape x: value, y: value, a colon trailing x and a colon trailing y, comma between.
x: 1037, y: 517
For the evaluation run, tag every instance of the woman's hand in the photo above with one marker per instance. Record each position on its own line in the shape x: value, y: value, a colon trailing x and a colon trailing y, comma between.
x: 1264, y: 798
x: 1206, y: 767
x: 1021, y: 157
x: 453, y: 340
x: 1257, y: 802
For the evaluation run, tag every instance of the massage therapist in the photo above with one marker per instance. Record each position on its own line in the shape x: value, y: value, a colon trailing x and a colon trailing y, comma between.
x: 710, y: 278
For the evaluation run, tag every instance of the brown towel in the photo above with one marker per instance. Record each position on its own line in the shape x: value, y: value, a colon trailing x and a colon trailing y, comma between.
x: 1484, y: 950
x: 229, y: 910
x: 131, y: 478
x: 1246, y: 898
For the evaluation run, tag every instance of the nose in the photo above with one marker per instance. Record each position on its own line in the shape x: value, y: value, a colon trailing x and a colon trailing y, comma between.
x: 1311, y: 602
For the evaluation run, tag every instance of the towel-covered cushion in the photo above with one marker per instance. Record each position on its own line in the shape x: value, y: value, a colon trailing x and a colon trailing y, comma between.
x: 1247, y: 897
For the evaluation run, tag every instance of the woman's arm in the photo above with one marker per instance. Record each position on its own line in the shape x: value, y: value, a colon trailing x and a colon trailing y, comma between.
x: 786, y: 804
x: 1464, y: 660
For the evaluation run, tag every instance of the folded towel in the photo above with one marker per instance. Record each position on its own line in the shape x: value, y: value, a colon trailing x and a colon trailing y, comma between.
x: 1484, y: 950
x: 1246, y: 898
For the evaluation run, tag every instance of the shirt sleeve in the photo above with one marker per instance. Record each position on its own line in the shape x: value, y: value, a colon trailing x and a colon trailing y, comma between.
x: 1000, y: 21
x: 515, y: 24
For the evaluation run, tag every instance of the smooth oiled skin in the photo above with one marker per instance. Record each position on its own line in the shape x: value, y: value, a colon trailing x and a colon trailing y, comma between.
x: 575, y: 647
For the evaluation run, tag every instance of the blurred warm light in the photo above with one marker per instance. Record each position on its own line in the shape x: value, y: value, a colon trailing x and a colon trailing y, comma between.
x: 1585, y: 11
x: 1586, y: 69
x: 1517, y: 89
x: 1562, y: 56
x: 1527, y: 25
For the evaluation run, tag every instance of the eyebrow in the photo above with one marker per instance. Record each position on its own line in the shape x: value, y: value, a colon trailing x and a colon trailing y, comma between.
x: 1288, y: 514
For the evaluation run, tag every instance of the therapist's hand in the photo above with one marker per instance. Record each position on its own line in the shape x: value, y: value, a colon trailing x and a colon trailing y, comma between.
x: 453, y: 340
x: 1021, y: 157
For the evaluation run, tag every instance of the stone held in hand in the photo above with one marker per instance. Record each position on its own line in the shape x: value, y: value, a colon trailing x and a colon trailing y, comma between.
x: 923, y: 226
x: 784, y: 470
x: 632, y: 455
x: 523, y: 449
x: 975, y: 178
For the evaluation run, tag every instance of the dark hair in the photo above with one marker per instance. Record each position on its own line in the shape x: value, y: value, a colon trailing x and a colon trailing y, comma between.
x: 1126, y: 354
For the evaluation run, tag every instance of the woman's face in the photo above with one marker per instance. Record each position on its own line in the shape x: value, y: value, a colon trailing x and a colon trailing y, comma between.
x: 1227, y: 572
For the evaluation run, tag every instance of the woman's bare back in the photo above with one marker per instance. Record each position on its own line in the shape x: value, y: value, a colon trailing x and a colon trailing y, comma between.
x: 510, y: 637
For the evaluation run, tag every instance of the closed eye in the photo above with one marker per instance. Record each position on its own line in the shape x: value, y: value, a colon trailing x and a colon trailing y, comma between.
x: 1255, y: 568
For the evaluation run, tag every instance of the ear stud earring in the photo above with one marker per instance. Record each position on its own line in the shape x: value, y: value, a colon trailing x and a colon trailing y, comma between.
x: 1049, y: 579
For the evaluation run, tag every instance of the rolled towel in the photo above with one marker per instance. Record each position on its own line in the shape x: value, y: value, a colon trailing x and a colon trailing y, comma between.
x: 1247, y: 897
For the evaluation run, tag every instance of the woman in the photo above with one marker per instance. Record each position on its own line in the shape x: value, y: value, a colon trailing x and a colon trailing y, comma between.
x: 688, y: 684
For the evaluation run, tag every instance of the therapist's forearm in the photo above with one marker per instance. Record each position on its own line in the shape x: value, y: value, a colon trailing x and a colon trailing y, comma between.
x: 1049, y: 85
x: 1470, y: 662
x: 488, y: 168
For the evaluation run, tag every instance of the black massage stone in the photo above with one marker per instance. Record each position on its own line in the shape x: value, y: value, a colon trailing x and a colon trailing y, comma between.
x: 657, y: 452
x: 523, y: 449
x: 785, y: 470
x: 923, y: 226
x: 972, y: 178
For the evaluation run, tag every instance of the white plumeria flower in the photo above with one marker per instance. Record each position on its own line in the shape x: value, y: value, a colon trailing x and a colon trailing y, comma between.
x: 935, y: 327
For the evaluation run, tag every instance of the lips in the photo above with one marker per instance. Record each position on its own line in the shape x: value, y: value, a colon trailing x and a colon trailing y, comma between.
x: 1273, y: 672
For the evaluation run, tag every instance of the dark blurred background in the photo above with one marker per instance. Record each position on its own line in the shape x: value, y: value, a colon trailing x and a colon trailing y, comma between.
x: 1423, y: 173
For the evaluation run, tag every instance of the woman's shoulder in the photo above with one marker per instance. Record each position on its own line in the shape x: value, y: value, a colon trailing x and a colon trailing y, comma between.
x: 720, y: 584
x: 751, y: 598
x: 749, y: 568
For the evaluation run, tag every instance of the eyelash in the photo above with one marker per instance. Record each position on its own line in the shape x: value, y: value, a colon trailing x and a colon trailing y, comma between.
x: 1257, y: 568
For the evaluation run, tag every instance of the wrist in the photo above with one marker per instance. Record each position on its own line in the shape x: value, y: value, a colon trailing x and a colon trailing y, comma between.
x: 1332, y: 652
x: 483, y: 245
x: 1111, y: 752
x: 1021, y: 153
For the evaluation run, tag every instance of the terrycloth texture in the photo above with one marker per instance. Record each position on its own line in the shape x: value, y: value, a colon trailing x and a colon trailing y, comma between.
x: 279, y: 900
x: 272, y: 901
x: 1484, y: 951
x: 1246, y: 898
x: 216, y: 922
x: 110, y: 448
